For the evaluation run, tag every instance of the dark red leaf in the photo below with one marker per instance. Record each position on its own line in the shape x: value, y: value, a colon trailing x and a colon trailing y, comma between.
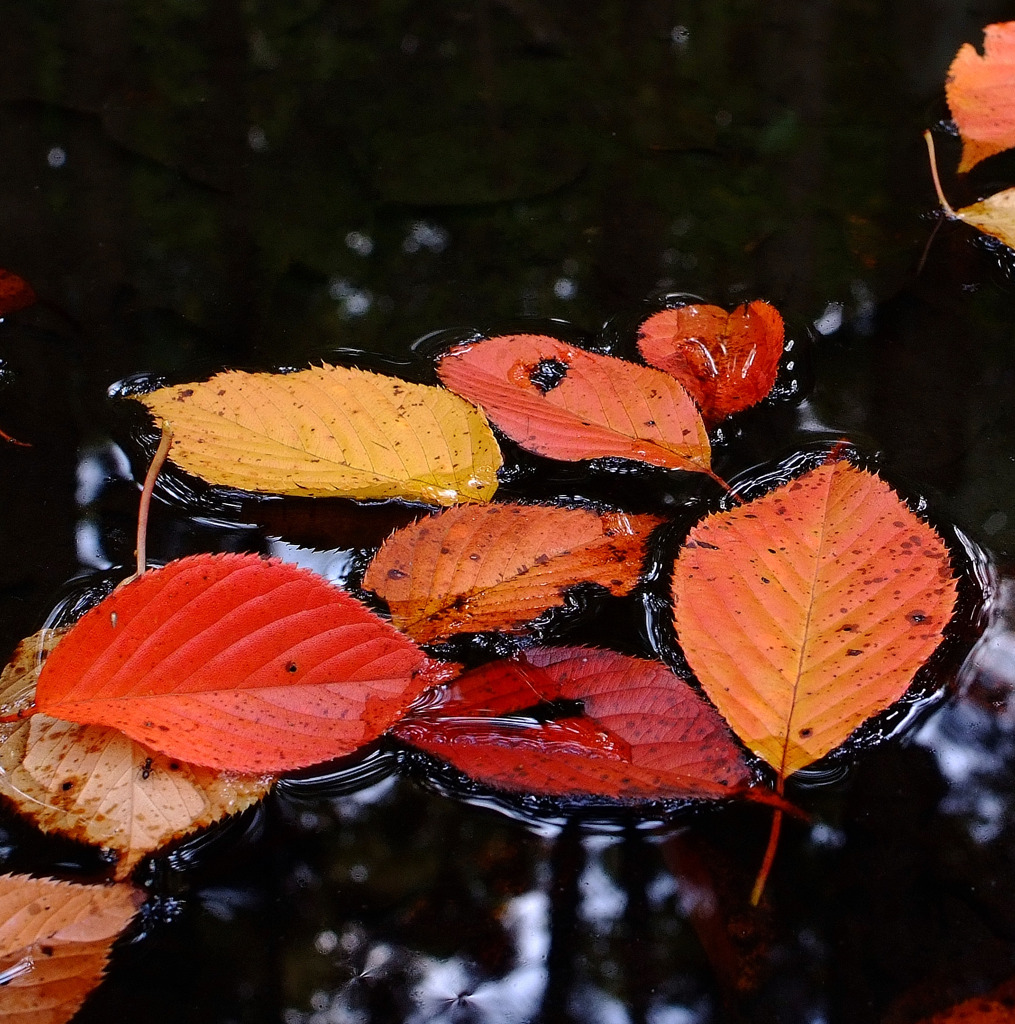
x: 15, y: 293
x: 644, y: 735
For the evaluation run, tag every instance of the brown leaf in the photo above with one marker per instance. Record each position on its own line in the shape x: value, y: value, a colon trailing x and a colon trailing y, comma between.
x: 471, y: 569
x: 54, y: 943
x: 94, y: 784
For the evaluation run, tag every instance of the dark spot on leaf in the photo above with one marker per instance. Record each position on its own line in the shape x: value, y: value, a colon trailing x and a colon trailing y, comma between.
x: 67, y: 786
x: 917, y: 616
x: 547, y: 374
x: 396, y: 574
x: 291, y: 667
x: 763, y: 580
x: 805, y: 732
x: 852, y: 652
x: 187, y: 393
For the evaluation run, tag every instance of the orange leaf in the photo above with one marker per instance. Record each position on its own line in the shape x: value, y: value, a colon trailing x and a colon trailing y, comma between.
x: 15, y: 293
x: 725, y: 361
x: 54, y: 943
x: 995, y: 1007
x: 644, y: 735
x: 234, y: 662
x: 808, y: 610
x: 470, y: 569
x: 94, y: 784
x: 558, y: 400
x: 981, y: 95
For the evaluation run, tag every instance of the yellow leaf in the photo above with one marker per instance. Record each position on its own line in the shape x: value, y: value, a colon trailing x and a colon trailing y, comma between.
x: 331, y: 430
x: 94, y: 784
x: 994, y: 216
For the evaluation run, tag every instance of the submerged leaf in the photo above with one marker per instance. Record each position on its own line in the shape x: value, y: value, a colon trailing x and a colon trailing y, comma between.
x: 331, y: 430
x: 15, y: 293
x: 981, y: 95
x: 234, y: 662
x: 805, y: 612
x: 498, y: 566
x: 54, y: 944
x: 644, y: 734
x: 726, y: 362
x: 558, y: 400
x: 94, y: 784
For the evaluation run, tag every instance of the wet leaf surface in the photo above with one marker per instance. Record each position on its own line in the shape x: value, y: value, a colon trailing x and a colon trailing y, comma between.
x: 726, y: 362
x: 236, y: 663
x: 15, y: 293
x: 499, y: 566
x: 558, y: 400
x: 808, y: 610
x: 94, y: 784
x: 330, y: 431
x: 643, y: 733
x: 54, y: 942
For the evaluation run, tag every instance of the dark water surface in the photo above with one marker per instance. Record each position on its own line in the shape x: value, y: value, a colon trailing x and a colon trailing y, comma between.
x: 191, y: 185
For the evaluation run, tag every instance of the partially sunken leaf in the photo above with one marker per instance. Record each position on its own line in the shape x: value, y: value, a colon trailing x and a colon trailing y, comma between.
x: 54, y: 944
x: 644, y: 735
x: 331, y: 430
x: 237, y: 663
x: 805, y: 612
x: 472, y: 569
x: 94, y: 784
x: 994, y: 216
x: 15, y: 293
x: 726, y: 361
x: 981, y: 95
x: 558, y: 400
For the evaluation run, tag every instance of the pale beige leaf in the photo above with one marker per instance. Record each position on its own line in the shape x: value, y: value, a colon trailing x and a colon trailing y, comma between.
x: 54, y: 943
x: 96, y: 785
x: 331, y: 430
x: 994, y: 216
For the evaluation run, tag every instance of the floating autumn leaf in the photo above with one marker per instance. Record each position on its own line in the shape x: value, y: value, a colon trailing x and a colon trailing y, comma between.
x: 805, y: 612
x: 995, y: 1007
x: 471, y: 569
x: 726, y: 362
x: 994, y: 215
x: 331, y: 430
x: 94, y: 784
x: 236, y: 663
x: 644, y: 733
x: 558, y: 400
x: 15, y: 293
x: 981, y: 95
x: 54, y: 944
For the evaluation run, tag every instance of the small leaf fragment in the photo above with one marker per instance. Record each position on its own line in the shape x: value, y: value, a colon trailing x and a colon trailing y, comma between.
x: 15, y: 293
x: 981, y: 95
x: 54, y: 943
x: 558, y: 400
x: 808, y: 610
x: 471, y: 569
x: 644, y: 733
x: 235, y: 662
x: 331, y: 430
x: 726, y: 362
x: 94, y: 784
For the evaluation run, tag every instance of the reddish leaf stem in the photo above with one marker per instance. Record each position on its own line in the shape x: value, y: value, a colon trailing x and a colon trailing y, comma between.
x: 773, y: 844
x: 945, y: 205
x: 146, y: 493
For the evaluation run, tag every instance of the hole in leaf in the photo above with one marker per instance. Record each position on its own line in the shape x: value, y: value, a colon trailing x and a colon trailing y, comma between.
x: 548, y: 373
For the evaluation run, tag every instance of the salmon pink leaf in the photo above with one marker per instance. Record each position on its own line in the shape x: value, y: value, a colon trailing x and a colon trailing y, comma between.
x: 981, y: 95
x: 726, y: 362
x: 644, y: 733
x: 235, y: 662
x: 558, y: 400
x: 477, y: 568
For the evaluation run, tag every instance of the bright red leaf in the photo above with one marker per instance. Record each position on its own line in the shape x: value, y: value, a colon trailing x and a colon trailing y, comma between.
x: 234, y: 662
x: 470, y: 569
x: 15, y: 293
x: 644, y: 735
x: 727, y: 362
x: 558, y: 400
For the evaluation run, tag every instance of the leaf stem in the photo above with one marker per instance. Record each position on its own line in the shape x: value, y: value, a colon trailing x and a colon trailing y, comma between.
x: 146, y: 493
x: 769, y: 858
x: 945, y: 205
